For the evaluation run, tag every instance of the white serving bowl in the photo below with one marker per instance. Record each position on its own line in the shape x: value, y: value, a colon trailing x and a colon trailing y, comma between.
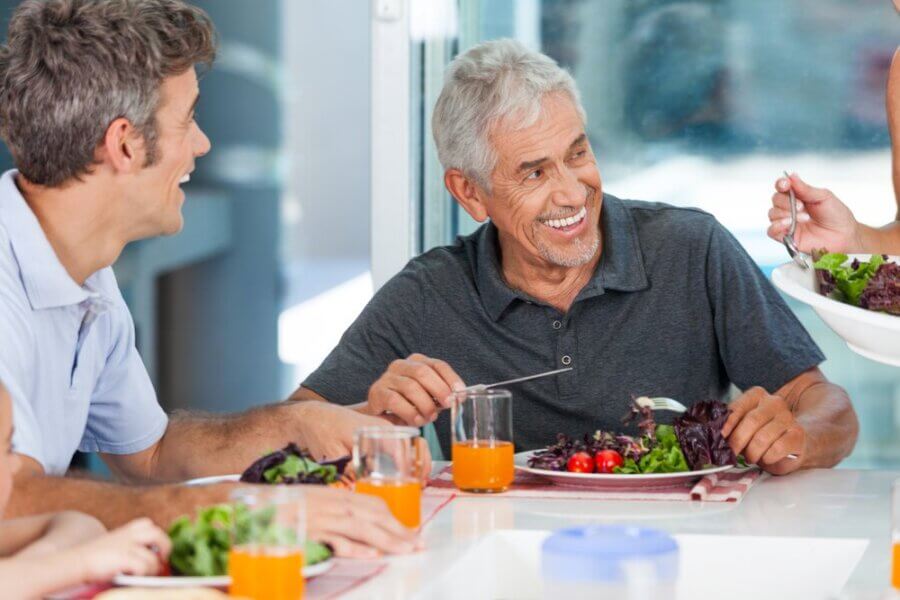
x: 872, y: 334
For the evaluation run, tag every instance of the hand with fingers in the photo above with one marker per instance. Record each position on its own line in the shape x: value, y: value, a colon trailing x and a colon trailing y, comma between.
x: 414, y: 389
x: 356, y: 525
x: 137, y: 548
x: 823, y: 221
x: 762, y: 428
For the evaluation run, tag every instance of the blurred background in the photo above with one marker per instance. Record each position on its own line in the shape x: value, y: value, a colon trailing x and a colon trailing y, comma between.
x: 323, y: 179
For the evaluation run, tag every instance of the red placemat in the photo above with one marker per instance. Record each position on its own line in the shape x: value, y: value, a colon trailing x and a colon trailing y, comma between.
x: 728, y: 486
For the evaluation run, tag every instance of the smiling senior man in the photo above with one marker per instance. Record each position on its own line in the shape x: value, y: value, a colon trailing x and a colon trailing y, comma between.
x: 639, y: 298
x: 97, y: 101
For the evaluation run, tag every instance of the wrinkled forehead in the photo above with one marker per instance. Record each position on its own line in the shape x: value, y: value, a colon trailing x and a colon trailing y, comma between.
x: 550, y: 130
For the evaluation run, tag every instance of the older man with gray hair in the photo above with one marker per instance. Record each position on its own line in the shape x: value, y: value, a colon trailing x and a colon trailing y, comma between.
x: 638, y: 298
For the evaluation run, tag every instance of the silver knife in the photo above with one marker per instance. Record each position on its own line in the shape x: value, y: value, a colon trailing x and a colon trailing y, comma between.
x: 483, y: 386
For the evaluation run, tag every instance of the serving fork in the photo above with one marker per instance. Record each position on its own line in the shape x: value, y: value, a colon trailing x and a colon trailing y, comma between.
x: 662, y: 403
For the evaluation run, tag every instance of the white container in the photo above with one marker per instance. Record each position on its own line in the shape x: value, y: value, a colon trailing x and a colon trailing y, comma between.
x: 614, y: 561
x: 871, y: 334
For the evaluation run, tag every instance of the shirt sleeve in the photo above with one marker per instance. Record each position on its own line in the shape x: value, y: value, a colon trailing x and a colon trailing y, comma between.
x: 125, y: 416
x: 17, y: 355
x: 385, y: 331
x: 761, y: 341
x: 14, y: 376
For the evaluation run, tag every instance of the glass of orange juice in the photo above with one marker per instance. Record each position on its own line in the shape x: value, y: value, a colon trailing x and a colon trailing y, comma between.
x: 388, y: 464
x: 482, y: 450
x: 266, y: 557
x: 895, y: 535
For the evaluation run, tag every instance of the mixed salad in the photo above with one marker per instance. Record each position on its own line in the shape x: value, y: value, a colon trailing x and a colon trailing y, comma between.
x: 293, y: 465
x: 200, y: 547
x: 872, y: 284
x: 694, y: 442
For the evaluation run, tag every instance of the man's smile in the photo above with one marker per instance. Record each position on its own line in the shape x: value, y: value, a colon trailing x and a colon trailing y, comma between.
x: 567, y: 224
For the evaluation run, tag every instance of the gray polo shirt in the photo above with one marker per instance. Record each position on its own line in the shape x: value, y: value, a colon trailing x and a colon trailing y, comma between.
x: 676, y: 307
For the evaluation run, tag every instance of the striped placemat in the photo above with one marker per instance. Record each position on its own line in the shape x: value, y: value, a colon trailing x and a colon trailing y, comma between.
x: 728, y: 486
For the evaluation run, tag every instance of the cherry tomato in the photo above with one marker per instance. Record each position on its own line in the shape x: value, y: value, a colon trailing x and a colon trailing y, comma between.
x: 580, y: 462
x: 607, y: 460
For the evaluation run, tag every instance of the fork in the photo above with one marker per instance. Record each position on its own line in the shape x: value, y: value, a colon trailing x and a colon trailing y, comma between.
x: 662, y: 403
x: 788, y: 239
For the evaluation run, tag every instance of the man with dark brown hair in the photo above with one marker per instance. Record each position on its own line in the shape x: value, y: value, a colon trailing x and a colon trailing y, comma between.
x: 97, y: 103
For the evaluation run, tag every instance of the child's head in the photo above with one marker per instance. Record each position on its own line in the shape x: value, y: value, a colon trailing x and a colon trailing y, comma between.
x: 9, y: 463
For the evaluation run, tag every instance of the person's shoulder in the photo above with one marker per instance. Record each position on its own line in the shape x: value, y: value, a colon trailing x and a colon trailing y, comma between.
x: 13, y: 300
x: 16, y: 328
x: 440, y: 266
x: 663, y: 214
x: 666, y: 223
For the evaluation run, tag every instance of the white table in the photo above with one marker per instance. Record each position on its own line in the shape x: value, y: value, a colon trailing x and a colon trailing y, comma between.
x: 819, y: 504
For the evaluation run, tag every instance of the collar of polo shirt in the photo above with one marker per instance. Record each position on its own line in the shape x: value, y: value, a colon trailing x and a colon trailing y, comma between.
x: 46, y: 281
x: 621, y: 265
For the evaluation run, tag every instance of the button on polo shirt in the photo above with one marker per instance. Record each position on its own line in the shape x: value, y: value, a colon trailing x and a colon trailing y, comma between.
x: 674, y: 308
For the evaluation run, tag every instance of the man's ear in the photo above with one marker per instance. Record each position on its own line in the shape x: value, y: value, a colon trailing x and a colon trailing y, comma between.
x: 468, y: 193
x: 122, y: 147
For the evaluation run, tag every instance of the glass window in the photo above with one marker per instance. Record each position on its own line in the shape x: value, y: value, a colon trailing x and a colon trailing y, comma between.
x: 704, y: 103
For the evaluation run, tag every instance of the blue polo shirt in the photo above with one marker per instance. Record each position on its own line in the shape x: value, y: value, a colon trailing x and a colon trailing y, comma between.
x: 675, y: 308
x: 67, y: 353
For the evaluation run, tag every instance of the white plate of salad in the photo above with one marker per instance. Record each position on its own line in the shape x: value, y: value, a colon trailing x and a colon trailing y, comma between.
x: 857, y: 295
x: 200, y: 548
x: 216, y: 581
x: 659, y: 456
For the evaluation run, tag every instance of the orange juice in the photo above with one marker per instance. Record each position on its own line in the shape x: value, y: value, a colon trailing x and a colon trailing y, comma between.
x: 266, y: 574
x: 403, y: 497
x: 482, y: 465
x: 895, y: 566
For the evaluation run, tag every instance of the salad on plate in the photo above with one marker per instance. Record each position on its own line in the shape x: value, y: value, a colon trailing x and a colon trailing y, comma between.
x: 693, y: 443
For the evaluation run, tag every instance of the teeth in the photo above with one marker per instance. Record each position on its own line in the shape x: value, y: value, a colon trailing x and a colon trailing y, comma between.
x: 185, y: 179
x: 560, y: 223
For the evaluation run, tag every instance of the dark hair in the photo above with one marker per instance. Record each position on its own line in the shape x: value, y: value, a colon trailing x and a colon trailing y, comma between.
x: 71, y: 67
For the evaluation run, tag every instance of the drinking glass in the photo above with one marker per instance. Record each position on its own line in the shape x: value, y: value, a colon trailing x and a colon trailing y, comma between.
x: 482, y: 451
x: 388, y: 462
x: 895, y: 535
x: 266, y: 557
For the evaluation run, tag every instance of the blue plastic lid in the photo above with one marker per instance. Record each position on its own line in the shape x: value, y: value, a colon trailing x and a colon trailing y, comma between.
x: 599, y: 553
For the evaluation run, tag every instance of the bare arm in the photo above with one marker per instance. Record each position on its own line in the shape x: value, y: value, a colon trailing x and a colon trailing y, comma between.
x: 880, y: 240
x: 18, y: 534
x: 892, y: 102
x: 113, y: 504
x: 197, y: 445
x: 354, y: 524
x: 824, y: 411
x: 808, y: 416
x: 36, y: 577
x: 44, y: 534
x: 137, y: 548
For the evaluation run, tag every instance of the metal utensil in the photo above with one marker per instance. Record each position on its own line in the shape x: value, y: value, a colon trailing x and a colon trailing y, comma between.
x: 483, y: 386
x: 662, y: 403
x: 788, y: 239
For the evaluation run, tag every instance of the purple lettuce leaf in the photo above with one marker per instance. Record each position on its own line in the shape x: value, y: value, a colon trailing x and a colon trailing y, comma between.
x: 699, y: 433
x: 255, y: 473
x: 882, y: 292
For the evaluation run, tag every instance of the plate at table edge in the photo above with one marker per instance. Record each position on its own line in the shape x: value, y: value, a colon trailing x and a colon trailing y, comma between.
x: 171, y: 581
x: 613, y: 480
x: 213, y: 479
